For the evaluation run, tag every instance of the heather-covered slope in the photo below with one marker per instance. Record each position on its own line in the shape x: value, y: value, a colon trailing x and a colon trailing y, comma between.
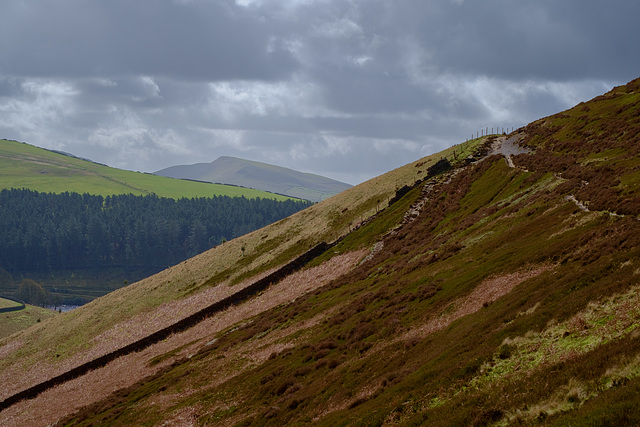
x: 486, y: 295
x: 132, y: 313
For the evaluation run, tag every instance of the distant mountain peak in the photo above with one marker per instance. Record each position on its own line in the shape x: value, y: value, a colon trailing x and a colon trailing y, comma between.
x: 259, y: 175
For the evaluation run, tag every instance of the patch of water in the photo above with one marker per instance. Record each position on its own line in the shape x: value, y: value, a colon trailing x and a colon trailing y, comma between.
x: 62, y: 308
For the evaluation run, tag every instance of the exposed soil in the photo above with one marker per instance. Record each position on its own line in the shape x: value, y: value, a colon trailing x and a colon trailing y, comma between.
x: 485, y: 293
x: 125, y: 371
x: 508, y: 147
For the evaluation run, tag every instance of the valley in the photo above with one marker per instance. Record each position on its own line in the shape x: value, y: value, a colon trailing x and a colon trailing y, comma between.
x: 81, y: 229
x: 477, y: 286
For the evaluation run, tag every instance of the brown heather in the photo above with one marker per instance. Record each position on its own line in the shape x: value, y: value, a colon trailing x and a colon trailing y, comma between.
x: 494, y: 293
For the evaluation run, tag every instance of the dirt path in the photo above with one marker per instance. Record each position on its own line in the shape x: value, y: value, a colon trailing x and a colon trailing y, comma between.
x: 508, y: 147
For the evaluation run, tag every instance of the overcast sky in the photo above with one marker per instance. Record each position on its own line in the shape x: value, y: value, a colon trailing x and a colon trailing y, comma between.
x: 348, y: 89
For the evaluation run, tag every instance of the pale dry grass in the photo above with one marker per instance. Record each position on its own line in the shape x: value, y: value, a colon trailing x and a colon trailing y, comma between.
x: 165, y: 315
x: 9, y: 347
x: 127, y: 370
x: 64, y: 336
x: 118, y: 336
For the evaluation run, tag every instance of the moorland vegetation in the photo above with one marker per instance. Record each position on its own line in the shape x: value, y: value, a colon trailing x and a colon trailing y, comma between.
x: 485, y: 294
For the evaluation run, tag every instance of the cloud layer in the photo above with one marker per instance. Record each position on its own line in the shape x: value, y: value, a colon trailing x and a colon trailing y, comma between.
x: 346, y: 89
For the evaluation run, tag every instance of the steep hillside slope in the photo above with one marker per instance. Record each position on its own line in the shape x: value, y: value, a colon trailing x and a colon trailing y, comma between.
x: 492, y: 293
x: 26, y: 166
x: 138, y: 310
x: 261, y: 176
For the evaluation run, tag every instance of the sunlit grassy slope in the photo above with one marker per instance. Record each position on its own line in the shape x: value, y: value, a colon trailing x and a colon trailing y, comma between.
x: 224, y: 265
x: 14, y: 321
x: 492, y: 296
x: 27, y: 166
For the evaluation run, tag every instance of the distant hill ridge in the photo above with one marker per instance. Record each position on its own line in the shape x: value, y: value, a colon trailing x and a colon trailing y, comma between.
x: 260, y: 176
x: 26, y: 166
x: 493, y: 289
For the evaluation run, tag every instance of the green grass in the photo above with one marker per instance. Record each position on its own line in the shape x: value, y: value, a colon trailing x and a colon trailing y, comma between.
x: 559, y: 346
x: 27, y: 166
x: 15, y: 321
x: 5, y: 303
x: 459, y: 374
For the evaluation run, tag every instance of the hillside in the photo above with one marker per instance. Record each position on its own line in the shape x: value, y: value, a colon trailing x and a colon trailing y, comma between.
x: 82, y: 229
x: 261, y: 176
x: 471, y: 291
x: 26, y: 166
x: 14, y: 318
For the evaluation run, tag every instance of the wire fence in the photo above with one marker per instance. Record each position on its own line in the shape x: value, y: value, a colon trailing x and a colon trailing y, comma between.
x: 490, y: 131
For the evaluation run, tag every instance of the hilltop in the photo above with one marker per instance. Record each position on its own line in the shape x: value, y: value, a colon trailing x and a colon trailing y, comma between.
x: 482, y: 285
x: 26, y: 166
x: 261, y: 176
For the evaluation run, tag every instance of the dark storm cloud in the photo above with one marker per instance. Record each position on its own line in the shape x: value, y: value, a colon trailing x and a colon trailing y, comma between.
x: 350, y: 89
x: 401, y: 43
x: 562, y: 40
x: 185, y: 40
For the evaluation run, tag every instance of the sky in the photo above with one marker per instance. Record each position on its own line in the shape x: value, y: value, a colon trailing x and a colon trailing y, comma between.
x: 348, y: 89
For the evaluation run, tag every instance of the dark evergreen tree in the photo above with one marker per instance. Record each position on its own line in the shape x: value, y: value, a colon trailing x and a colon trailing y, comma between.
x: 44, y: 232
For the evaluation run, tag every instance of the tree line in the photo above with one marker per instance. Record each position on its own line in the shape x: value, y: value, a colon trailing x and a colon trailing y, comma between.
x: 42, y: 232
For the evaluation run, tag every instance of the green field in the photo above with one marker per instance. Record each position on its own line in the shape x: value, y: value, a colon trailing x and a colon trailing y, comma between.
x: 490, y: 294
x: 15, y: 321
x: 5, y: 303
x: 26, y: 166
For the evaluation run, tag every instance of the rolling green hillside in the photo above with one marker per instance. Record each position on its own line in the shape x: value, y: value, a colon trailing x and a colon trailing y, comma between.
x: 471, y: 291
x: 26, y: 166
